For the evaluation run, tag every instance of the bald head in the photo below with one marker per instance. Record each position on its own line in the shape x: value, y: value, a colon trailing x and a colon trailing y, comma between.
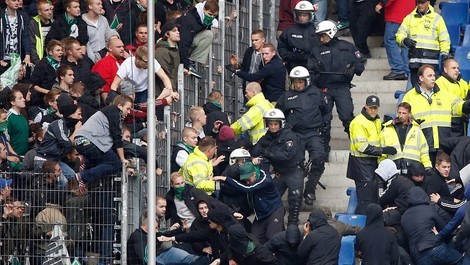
x: 252, y: 89
x: 452, y: 69
x: 116, y: 48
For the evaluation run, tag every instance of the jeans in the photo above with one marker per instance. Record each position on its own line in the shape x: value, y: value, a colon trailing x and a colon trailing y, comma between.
x: 99, y: 164
x: 442, y: 254
x: 320, y: 14
x: 397, y: 56
x: 178, y: 256
x: 141, y: 97
x: 343, y: 9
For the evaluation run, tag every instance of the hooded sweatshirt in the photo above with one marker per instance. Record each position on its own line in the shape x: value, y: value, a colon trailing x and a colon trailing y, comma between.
x: 377, y: 244
x: 417, y: 223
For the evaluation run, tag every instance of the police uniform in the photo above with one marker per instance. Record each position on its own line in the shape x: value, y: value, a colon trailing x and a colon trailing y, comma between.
x: 331, y: 61
x: 284, y: 151
x: 295, y: 44
x: 304, y: 114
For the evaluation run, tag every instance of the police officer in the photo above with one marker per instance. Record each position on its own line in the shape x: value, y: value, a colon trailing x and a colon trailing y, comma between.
x: 335, y: 63
x: 304, y: 108
x: 283, y: 149
x: 296, y: 42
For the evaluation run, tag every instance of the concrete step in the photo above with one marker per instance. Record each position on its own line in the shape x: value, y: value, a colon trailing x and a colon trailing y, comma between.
x: 378, y: 53
x: 372, y: 41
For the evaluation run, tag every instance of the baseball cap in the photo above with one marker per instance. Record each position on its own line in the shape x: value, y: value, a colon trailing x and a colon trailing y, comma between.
x: 246, y: 170
x: 373, y: 101
x: 422, y: 1
x: 5, y: 182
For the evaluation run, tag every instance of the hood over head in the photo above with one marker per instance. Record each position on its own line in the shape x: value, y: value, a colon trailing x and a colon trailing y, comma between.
x: 417, y: 196
x: 387, y: 169
x: 374, y: 214
x: 317, y: 218
x: 221, y: 216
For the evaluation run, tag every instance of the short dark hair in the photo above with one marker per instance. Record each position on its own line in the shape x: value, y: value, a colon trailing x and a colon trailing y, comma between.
x: 405, y: 105
x: 442, y: 157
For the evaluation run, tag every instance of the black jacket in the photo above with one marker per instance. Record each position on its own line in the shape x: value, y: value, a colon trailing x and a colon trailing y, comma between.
x: 417, y: 223
x: 272, y: 77
x: 321, y: 246
x: 285, y: 252
x: 56, y: 141
x: 190, y: 25
x: 459, y: 150
x: 81, y: 70
x: 396, y: 193
x: 376, y: 244
x: 437, y: 184
x: 303, y: 110
x: 283, y: 149
x: 296, y: 43
x: 234, y: 198
x: 191, y: 197
x: 213, y: 113
x: 335, y: 57
x: 22, y: 31
x: 44, y: 76
x: 60, y: 30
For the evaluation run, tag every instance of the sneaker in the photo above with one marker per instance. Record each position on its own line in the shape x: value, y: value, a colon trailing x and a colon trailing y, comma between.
x: 194, y: 72
x: 343, y: 25
x: 395, y: 76
x: 81, y: 185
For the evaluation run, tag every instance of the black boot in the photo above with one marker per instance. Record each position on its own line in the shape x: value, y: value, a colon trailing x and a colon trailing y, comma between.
x: 310, y: 187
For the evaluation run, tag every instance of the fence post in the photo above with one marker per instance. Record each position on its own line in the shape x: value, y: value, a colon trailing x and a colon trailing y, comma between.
x: 125, y: 214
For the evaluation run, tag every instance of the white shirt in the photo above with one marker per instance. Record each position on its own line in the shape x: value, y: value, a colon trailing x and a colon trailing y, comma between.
x: 136, y: 76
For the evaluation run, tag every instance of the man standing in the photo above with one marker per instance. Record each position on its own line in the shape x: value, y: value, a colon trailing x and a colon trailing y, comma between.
x: 284, y: 151
x: 167, y: 54
x: 272, y: 74
x: 198, y: 169
x: 452, y: 82
x: 109, y: 65
x: 434, y: 108
x: 364, y: 132
x: 80, y: 63
x: 425, y: 34
x: 336, y: 62
x: 303, y: 107
x: 252, y: 121
x: 362, y: 18
x: 395, y: 12
x: 297, y: 41
x: 39, y: 26
x: 404, y: 134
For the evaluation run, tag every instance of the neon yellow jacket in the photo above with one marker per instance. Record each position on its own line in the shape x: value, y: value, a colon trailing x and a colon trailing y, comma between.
x: 252, y: 121
x: 415, y: 147
x: 430, y: 33
x: 364, y: 132
x: 435, y: 114
x: 197, y: 171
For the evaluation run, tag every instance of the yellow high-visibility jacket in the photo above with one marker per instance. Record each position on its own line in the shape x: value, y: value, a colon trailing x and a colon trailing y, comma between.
x: 430, y: 33
x: 198, y: 170
x: 364, y: 132
x: 435, y: 113
x: 415, y: 146
x: 252, y: 121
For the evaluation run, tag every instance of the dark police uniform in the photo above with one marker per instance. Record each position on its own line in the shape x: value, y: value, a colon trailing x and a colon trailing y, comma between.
x: 284, y: 151
x: 335, y: 63
x: 304, y: 113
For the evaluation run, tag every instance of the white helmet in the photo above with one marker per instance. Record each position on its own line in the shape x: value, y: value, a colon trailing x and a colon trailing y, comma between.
x: 327, y: 27
x: 238, y: 153
x: 303, y: 7
x: 274, y: 115
x: 300, y: 72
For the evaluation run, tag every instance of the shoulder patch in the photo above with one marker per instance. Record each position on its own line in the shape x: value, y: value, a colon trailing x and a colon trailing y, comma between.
x: 358, y: 54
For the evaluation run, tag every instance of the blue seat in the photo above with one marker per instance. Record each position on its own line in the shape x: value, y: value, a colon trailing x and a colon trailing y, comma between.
x: 455, y: 13
x: 455, y: 36
x: 462, y: 55
x: 352, y: 203
x: 347, y: 252
x: 466, y: 36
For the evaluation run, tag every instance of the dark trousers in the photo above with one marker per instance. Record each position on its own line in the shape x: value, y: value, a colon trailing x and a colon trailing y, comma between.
x: 313, y: 143
x: 367, y: 193
x: 294, y: 182
x: 344, y: 105
x: 361, y: 20
x: 264, y: 229
x: 99, y: 164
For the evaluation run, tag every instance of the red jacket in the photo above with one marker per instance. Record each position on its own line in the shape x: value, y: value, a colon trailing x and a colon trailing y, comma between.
x: 396, y: 10
x: 286, y: 14
x: 107, y: 69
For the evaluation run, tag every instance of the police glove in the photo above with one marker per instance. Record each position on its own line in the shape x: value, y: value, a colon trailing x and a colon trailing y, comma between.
x: 349, y: 73
x: 409, y: 43
x: 389, y: 150
x: 445, y: 56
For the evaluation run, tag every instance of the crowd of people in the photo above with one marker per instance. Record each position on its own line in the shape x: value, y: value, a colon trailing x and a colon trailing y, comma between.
x: 76, y: 95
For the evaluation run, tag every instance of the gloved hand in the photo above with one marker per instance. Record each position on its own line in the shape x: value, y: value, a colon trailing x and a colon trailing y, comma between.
x: 445, y: 56
x: 349, y: 73
x: 466, y: 107
x: 409, y: 43
x: 389, y: 150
